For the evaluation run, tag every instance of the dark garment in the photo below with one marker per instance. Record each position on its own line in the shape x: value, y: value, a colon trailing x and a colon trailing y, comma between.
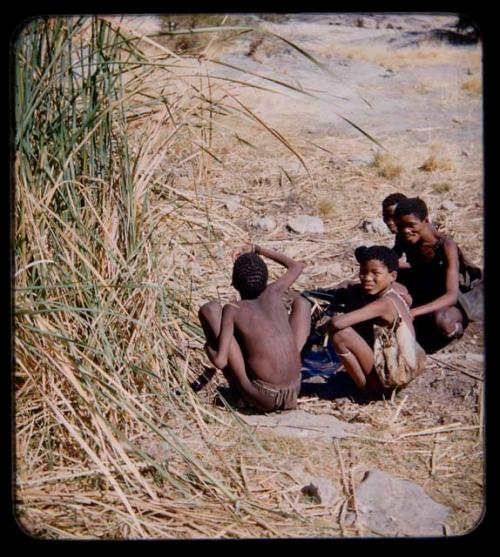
x: 426, y: 279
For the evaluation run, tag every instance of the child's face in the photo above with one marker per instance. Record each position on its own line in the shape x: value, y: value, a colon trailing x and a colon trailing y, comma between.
x: 388, y: 216
x: 375, y: 277
x: 411, y: 227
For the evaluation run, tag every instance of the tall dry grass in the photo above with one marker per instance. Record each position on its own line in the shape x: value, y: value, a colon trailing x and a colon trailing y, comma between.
x: 106, y: 334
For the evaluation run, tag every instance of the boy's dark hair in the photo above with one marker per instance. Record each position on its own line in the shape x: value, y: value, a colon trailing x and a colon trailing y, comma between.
x: 385, y: 255
x: 250, y: 275
x: 393, y: 199
x: 412, y: 206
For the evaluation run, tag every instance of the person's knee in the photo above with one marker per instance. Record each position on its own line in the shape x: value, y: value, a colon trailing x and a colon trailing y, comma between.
x: 339, y: 338
x: 445, y: 323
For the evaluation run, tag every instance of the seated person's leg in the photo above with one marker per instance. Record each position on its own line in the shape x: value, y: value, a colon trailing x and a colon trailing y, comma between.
x: 449, y: 322
x: 355, y: 354
x: 210, y: 315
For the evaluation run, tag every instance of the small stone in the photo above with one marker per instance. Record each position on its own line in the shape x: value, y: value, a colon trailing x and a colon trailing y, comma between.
x: 266, y: 223
x: 448, y: 205
x: 303, y: 224
x: 361, y: 160
x: 375, y: 226
x: 474, y: 358
x: 321, y: 491
x: 232, y: 203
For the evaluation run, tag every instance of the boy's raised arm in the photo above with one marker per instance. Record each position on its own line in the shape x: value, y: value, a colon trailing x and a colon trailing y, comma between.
x: 294, y: 268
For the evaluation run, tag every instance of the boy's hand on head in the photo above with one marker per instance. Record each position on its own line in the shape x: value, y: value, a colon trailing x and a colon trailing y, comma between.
x: 245, y: 248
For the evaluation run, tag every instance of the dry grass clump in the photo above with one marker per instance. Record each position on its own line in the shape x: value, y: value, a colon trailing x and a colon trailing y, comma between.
x: 422, y: 54
x: 325, y: 207
x: 432, y: 164
x: 473, y: 86
x: 441, y: 187
x: 385, y: 166
x: 114, y: 208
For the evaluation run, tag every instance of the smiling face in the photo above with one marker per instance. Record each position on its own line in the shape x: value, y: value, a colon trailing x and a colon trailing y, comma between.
x: 411, y: 227
x: 375, y: 277
x: 388, y: 217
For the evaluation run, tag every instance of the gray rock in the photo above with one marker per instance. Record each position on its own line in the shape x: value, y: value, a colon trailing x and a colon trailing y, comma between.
x: 472, y: 358
x: 375, y: 226
x: 301, y: 425
x: 361, y: 160
x: 266, y: 223
x: 391, y: 507
x: 303, y: 224
x: 232, y: 203
x: 321, y: 491
x: 448, y: 205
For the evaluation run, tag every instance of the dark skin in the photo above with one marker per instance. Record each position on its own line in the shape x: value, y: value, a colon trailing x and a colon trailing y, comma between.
x: 356, y: 354
x: 424, y: 236
x: 256, y: 338
x: 390, y: 221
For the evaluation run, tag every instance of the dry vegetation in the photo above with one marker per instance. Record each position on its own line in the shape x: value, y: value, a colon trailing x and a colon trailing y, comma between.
x: 116, y: 250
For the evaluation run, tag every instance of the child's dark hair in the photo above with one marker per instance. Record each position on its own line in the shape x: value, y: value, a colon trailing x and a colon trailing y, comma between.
x: 412, y: 206
x: 393, y: 199
x: 250, y: 275
x: 385, y: 255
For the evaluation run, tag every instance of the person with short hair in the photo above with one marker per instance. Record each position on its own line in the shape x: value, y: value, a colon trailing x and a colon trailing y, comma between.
x: 389, y: 204
x: 254, y: 341
x: 432, y: 278
x: 391, y: 357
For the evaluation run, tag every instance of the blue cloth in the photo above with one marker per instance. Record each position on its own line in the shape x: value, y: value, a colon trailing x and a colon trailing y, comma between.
x: 319, y: 360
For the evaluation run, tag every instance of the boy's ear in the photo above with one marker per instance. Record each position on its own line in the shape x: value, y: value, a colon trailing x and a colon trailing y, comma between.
x: 394, y: 275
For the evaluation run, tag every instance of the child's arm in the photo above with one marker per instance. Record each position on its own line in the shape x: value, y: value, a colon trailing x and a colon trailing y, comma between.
x: 379, y: 308
x: 219, y: 357
x: 399, y: 248
x: 449, y: 298
x: 294, y: 268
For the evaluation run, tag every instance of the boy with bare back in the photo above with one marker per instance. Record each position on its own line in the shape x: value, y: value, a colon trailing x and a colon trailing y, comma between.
x: 255, y: 342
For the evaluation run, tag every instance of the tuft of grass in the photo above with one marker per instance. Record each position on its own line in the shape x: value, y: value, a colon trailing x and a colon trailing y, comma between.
x: 325, y: 207
x: 473, y: 86
x: 423, y: 87
x: 441, y: 187
x: 432, y: 164
x: 385, y: 166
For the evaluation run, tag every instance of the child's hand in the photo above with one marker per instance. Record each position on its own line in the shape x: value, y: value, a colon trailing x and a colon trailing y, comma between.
x: 245, y: 248
x: 322, y: 324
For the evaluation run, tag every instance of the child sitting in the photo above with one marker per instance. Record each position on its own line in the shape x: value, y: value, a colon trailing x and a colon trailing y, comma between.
x: 436, y: 268
x: 392, y: 357
x: 254, y: 341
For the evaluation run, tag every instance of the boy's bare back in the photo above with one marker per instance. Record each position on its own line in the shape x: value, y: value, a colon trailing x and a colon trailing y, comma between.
x: 262, y: 329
